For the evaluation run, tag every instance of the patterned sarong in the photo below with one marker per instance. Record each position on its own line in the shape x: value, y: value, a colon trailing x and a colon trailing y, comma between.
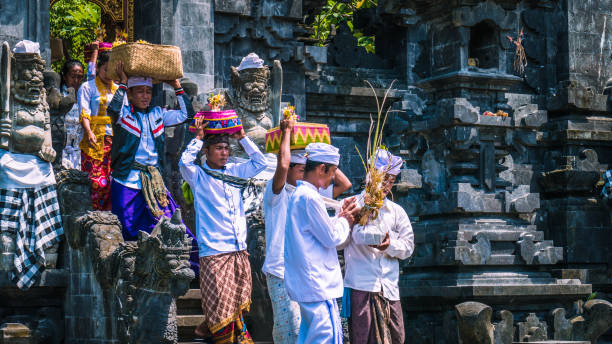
x: 33, y: 215
x: 234, y: 333
x: 225, y: 284
x: 99, y: 175
x: 286, y: 312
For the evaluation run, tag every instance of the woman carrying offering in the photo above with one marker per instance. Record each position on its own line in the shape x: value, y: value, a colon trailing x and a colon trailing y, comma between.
x: 94, y: 97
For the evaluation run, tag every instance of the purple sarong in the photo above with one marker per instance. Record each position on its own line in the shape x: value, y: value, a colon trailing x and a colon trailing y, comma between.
x: 131, y: 208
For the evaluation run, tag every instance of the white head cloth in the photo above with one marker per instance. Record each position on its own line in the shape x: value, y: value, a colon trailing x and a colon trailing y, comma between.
x: 323, y: 152
x: 139, y: 81
x: 250, y: 61
x: 26, y: 46
x: 387, y: 162
x: 298, y: 157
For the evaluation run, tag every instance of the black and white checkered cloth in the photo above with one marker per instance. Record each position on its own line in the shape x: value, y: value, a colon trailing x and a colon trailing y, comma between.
x: 606, y: 191
x: 33, y: 215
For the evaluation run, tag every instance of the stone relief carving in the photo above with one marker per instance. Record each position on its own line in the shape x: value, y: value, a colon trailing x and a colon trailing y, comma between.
x: 25, y: 125
x: 256, y: 96
x: 141, y: 280
x: 251, y: 88
x: 589, y: 322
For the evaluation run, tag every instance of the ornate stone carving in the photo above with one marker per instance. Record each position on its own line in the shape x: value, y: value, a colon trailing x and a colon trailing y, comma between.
x: 251, y: 99
x: 532, y: 329
x: 25, y: 128
x: 588, y: 323
x: 140, y: 280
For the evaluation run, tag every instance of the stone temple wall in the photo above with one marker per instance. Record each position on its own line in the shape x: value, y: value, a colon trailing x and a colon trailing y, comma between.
x: 26, y: 19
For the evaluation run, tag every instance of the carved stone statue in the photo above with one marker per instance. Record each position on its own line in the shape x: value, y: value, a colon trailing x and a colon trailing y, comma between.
x: 255, y: 98
x: 26, y: 175
x: 136, y: 282
x: 25, y: 125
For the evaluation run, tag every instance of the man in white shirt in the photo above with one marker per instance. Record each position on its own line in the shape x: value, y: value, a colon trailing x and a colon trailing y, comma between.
x: 312, y: 272
x: 289, y: 169
x: 225, y: 272
x: 372, y: 272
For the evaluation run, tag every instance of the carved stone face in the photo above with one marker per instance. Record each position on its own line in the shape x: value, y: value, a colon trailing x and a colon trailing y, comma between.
x: 252, y: 88
x: 28, y: 80
x: 180, y: 270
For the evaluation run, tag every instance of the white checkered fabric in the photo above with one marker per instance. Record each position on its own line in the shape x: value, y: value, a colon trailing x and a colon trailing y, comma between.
x: 606, y: 192
x: 33, y: 215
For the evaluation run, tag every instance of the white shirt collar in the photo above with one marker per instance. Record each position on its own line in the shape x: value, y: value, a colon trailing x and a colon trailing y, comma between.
x: 308, y: 184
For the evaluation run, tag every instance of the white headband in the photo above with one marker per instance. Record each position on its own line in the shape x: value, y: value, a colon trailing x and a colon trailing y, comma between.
x: 139, y: 81
x: 387, y: 162
x: 298, y: 157
x: 323, y: 152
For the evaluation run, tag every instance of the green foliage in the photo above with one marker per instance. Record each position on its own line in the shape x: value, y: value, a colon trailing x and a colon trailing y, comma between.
x: 336, y: 12
x: 74, y: 21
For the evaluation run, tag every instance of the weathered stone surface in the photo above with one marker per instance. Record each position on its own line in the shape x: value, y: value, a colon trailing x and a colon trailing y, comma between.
x: 25, y: 128
x: 128, y: 287
x: 504, y: 329
x: 474, y: 323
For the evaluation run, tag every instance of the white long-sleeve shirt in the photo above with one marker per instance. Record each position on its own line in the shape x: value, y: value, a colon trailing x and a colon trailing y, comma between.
x: 367, y: 268
x: 312, y: 270
x: 152, y: 122
x: 220, y: 220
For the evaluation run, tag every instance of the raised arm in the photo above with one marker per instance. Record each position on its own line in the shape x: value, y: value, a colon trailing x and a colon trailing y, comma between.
x: 187, y: 165
x: 174, y: 117
x: 341, y: 183
x: 283, y: 159
x: 116, y: 104
x: 256, y: 162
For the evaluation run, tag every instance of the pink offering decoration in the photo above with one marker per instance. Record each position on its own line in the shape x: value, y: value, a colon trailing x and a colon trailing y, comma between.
x: 219, y: 122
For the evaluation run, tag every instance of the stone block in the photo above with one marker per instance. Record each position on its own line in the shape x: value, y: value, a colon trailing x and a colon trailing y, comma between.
x: 238, y: 7
x: 409, y: 178
x: 15, y: 333
x: 474, y: 323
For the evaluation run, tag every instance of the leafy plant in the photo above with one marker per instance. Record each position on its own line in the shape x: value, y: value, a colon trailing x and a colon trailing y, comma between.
x: 74, y: 21
x: 336, y: 12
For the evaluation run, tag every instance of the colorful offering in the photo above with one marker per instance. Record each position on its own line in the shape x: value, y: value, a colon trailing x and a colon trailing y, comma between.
x: 302, y: 134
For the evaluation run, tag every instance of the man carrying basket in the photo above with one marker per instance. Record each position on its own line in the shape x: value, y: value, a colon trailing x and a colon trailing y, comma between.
x: 139, y: 196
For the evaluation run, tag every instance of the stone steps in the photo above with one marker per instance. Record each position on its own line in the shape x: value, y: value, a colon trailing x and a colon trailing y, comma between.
x: 189, y: 316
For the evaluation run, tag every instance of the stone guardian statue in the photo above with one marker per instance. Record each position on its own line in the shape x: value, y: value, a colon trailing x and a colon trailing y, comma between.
x: 255, y: 98
x: 29, y: 212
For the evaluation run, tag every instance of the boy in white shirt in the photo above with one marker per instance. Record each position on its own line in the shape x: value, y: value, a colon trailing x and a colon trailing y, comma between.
x: 289, y: 169
x: 312, y: 272
x: 225, y: 271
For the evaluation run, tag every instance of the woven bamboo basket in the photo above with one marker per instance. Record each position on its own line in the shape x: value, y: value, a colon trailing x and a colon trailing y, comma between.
x: 160, y: 62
